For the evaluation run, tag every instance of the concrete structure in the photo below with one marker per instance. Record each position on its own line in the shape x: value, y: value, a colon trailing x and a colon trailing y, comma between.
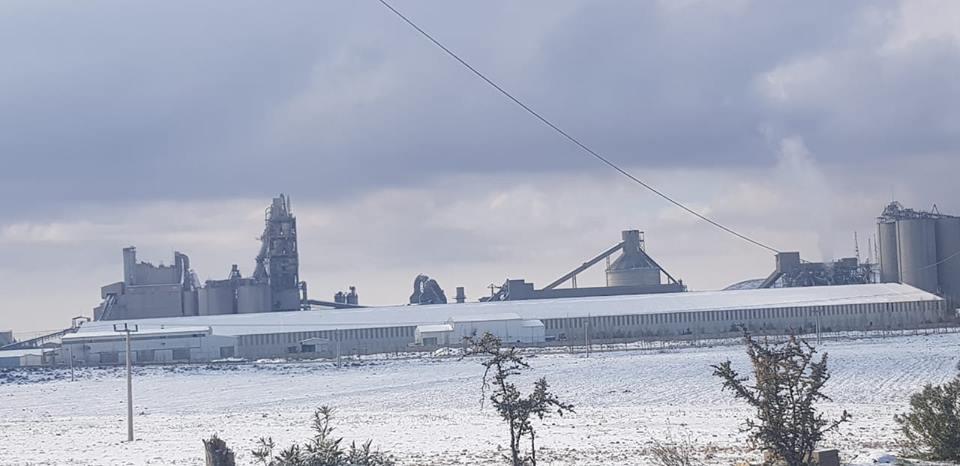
x: 948, y: 257
x: 149, y: 291
x: 655, y: 316
x: 921, y: 249
x: 633, y: 267
x: 887, y: 243
x: 6, y: 338
x: 791, y: 272
x: 917, y: 253
x: 278, y: 263
x: 634, y: 272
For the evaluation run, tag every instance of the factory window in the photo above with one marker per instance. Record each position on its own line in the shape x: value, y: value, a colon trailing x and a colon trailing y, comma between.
x: 226, y: 352
x: 109, y: 358
x: 145, y: 355
x: 181, y: 354
x: 292, y: 349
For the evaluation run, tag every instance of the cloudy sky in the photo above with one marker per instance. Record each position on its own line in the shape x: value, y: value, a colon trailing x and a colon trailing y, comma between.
x: 169, y: 125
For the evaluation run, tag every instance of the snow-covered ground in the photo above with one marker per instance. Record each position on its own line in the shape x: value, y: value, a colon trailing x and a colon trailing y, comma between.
x: 427, y: 411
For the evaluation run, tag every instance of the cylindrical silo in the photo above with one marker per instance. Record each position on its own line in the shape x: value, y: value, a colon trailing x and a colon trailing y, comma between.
x: 253, y: 297
x: 634, y: 277
x: 632, y: 268
x: 190, y: 303
x: 917, y: 245
x: 948, y: 256
x: 216, y: 298
x: 889, y: 265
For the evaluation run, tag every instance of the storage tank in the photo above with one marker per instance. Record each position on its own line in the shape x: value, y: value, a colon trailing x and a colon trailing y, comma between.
x: 190, y: 303
x: 216, y: 298
x: 253, y: 297
x: 917, y: 245
x: 889, y: 265
x: 948, y: 256
x: 632, y: 268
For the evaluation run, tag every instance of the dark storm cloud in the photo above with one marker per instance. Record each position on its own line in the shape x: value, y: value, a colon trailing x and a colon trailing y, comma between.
x: 126, y: 101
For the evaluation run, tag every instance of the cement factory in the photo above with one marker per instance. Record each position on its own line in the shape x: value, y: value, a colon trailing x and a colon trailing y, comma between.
x: 270, y: 315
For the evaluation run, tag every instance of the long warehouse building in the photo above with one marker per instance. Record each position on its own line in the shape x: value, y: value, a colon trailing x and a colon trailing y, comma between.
x: 325, y: 333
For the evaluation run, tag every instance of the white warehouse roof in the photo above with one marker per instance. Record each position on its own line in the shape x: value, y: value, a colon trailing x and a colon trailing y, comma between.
x: 23, y: 352
x: 393, y: 316
x: 146, y: 332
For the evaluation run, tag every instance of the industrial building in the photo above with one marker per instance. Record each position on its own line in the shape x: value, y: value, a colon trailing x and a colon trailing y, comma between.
x: 790, y: 272
x: 268, y: 314
x: 326, y: 333
x: 6, y: 338
x: 149, y: 290
x: 634, y: 272
x: 32, y: 357
x: 921, y: 249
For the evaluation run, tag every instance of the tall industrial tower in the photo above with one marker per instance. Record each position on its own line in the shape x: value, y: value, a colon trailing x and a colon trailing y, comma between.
x: 278, y: 261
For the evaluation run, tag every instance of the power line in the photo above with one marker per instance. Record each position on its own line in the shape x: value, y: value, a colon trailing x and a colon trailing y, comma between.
x: 572, y: 139
x: 945, y: 259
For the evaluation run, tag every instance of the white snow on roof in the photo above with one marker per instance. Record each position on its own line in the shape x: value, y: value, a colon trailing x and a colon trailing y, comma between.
x: 143, y: 331
x: 392, y: 316
x: 435, y: 328
x: 22, y: 352
x: 488, y: 317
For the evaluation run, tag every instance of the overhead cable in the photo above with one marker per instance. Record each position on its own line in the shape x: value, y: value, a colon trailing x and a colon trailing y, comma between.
x: 571, y: 138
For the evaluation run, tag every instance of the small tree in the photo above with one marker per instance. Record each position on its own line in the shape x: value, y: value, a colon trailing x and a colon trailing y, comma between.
x: 322, y: 450
x: 931, y: 429
x: 681, y: 452
x: 514, y: 408
x: 788, y: 383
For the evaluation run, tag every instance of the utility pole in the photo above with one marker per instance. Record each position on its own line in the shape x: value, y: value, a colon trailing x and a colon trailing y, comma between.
x: 127, y: 330
x: 819, y: 311
x: 339, y: 361
x: 586, y: 336
x: 70, y: 355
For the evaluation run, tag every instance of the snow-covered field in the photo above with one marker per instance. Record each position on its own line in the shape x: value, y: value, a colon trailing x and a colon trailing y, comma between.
x: 427, y: 411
